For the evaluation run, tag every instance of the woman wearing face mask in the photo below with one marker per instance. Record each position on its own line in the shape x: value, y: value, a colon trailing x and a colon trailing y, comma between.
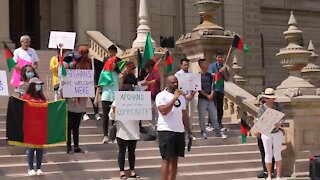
x: 27, y: 72
x: 34, y: 93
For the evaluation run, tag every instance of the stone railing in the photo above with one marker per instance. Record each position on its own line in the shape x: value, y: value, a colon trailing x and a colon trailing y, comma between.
x: 239, y: 103
x: 99, y: 44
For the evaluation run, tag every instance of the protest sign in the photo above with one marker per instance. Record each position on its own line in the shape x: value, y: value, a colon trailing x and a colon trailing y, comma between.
x: 189, y: 81
x: 3, y: 84
x: 67, y: 39
x: 78, y: 83
x: 265, y: 124
x: 133, y: 105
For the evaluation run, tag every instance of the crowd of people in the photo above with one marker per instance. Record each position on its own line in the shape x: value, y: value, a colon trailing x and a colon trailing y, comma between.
x: 172, y: 108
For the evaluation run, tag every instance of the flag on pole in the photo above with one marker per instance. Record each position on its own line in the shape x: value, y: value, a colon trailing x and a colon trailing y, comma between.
x: 141, y: 72
x: 244, y: 128
x: 148, y: 53
x: 62, y: 67
x: 169, y: 65
x: 239, y: 44
x: 34, y: 124
x: 9, y: 57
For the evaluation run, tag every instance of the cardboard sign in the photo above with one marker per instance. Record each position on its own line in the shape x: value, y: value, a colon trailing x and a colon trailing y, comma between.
x: 78, y: 83
x: 3, y: 84
x: 133, y: 105
x: 265, y: 124
x: 66, y: 39
x: 189, y: 81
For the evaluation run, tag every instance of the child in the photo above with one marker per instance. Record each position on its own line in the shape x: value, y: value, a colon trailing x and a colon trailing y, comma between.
x: 27, y: 72
x: 34, y: 93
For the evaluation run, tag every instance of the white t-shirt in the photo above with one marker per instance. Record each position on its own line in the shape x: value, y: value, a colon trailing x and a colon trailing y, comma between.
x: 173, y: 120
x: 126, y: 130
x: 181, y: 72
x: 29, y: 55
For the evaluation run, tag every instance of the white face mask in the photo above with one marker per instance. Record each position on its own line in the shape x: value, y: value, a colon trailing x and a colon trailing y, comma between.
x: 38, y: 87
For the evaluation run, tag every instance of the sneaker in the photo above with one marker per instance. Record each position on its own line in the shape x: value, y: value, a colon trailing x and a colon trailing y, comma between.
x: 85, y: 117
x: 223, y: 129
x: 204, y: 136
x: 224, y: 136
x: 194, y: 138
x: 105, y: 139
x: 278, y: 178
x: 262, y: 175
x: 31, y: 172
x: 97, y: 116
x: 209, y: 128
x: 39, y: 172
x: 78, y: 150
x: 69, y: 149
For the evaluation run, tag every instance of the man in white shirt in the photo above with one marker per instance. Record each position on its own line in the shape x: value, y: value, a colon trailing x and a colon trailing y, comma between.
x: 25, y: 53
x: 189, y: 95
x: 172, y: 122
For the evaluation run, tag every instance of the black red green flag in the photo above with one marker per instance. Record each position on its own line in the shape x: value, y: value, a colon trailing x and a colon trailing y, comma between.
x: 244, y: 128
x: 239, y: 44
x: 34, y: 124
x: 9, y: 57
x: 169, y: 63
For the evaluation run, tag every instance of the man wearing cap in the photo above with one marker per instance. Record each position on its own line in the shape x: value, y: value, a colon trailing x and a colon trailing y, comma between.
x: 272, y: 143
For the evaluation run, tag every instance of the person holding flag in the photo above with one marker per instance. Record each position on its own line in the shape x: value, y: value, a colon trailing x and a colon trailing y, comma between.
x: 109, y: 82
x: 22, y: 56
x: 34, y: 93
x: 221, y: 74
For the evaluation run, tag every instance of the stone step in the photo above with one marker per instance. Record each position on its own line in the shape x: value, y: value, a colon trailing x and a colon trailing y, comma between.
x: 111, y: 167
x: 212, y: 146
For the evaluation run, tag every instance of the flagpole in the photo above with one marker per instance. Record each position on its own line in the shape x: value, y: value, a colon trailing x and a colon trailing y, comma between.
x: 228, y: 54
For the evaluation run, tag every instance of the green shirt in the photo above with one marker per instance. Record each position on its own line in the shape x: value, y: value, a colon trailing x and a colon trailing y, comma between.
x: 108, y: 91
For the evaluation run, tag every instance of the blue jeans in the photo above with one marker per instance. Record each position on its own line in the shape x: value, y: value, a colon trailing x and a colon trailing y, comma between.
x: 30, y: 156
x: 206, y: 105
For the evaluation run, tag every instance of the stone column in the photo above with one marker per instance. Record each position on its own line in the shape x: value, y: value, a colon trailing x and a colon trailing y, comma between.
x: 86, y: 19
x: 112, y: 20
x: 4, y: 19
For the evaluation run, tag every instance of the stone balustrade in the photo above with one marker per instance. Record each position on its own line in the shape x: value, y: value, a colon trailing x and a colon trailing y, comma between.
x: 99, y: 44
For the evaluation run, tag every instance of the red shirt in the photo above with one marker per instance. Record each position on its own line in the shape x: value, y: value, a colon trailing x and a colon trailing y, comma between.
x: 29, y: 98
x: 155, y: 88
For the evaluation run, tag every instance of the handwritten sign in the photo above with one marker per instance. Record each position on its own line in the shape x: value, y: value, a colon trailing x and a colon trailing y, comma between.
x: 189, y: 81
x: 133, y: 105
x: 66, y: 39
x: 78, y: 83
x: 266, y: 122
x: 3, y: 84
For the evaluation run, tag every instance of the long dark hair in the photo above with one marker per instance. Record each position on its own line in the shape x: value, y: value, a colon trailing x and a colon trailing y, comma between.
x: 35, y: 94
x: 24, y: 70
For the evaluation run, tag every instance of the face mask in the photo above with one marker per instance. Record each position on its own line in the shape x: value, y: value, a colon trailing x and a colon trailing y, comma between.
x: 38, y: 87
x: 30, y: 74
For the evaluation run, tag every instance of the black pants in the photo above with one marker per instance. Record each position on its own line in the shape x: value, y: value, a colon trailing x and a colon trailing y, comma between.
x: 74, y: 120
x: 218, y: 100
x: 95, y: 108
x: 123, y: 144
x: 261, y: 149
x: 106, y: 106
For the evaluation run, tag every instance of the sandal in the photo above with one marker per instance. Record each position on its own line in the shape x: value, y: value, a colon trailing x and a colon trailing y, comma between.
x: 135, y: 176
x: 123, y: 176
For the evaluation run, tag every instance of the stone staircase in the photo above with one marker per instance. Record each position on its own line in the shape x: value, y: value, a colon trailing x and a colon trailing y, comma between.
x: 214, y: 158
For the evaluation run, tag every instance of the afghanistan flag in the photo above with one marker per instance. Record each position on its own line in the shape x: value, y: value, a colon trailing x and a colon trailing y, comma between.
x: 9, y: 57
x: 244, y: 128
x: 34, y: 124
x: 148, y: 53
x: 239, y: 44
x: 169, y: 65
x: 105, y: 78
x: 141, y: 72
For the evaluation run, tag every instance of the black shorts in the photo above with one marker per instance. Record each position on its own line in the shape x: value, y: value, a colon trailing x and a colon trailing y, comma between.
x: 171, y: 144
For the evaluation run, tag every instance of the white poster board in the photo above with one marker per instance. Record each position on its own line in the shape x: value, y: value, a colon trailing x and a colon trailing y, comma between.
x: 3, y: 84
x: 65, y: 38
x: 78, y: 83
x: 133, y: 105
x: 189, y: 81
x: 265, y: 124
